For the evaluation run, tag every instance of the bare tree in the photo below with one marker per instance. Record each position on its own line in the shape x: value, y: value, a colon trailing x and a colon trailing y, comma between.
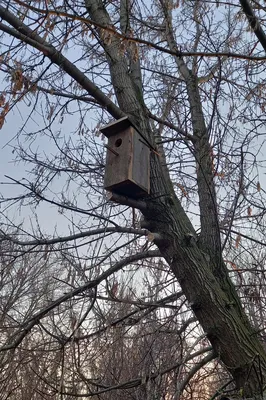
x: 189, y: 76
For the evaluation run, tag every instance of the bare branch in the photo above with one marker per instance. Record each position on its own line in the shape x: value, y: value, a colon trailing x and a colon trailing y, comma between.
x: 254, y: 22
x: 24, y: 33
x: 39, y: 242
x: 17, y: 338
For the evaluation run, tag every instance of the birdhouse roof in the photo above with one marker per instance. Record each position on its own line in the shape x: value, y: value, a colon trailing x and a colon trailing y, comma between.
x: 116, y: 127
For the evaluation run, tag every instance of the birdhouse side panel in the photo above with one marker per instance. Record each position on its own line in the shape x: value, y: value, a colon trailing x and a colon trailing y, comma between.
x: 119, y: 155
x: 141, y: 163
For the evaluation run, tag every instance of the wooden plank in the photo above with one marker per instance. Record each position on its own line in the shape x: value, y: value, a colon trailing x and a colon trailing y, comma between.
x: 118, y: 167
x: 115, y: 127
x: 141, y: 163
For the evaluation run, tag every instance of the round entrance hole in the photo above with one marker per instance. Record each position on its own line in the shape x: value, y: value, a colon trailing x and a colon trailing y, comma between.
x: 118, y: 142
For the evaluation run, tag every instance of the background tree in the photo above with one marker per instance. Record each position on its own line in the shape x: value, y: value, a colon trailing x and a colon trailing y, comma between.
x: 189, y: 75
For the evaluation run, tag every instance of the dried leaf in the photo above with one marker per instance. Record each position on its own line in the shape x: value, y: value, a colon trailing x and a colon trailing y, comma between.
x: 51, y: 111
x: 2, y: 120
x: 6, y: 108
x: 233, y: 265
x: 17, y: 81
x: 135, y: 54
x: 122, y: 48
x: 258, y: 187
x: 220, y: 175
x: 33, y: 88
x: 106, y: 36
x: 238, y: 239
x: 2, y: 100
x: 114, y: 289
x: 73, y: 321
x: 249, y: 211
x: 183, y: 190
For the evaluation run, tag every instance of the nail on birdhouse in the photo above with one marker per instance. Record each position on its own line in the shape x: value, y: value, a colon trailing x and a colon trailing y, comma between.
x: 127, y: 169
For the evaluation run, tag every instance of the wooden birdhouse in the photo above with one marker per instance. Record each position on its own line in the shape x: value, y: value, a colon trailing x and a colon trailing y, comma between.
x: 127, y: 168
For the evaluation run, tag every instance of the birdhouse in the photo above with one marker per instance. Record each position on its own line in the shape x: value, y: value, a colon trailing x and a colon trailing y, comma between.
x: 127, y: 168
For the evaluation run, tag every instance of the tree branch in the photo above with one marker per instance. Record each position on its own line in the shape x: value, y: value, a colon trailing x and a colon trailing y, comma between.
x: 39, y: 242
x: 17, y: 338
x: 127, y: 201
x: 254, y: 22
x: 27, y: 35
x: 195, y: 369
x: 175, y: 128
x: 178, y: 53
x: 138, y: 381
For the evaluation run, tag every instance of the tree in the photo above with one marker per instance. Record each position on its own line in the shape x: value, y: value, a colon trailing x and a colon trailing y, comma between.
x: 189, y: 76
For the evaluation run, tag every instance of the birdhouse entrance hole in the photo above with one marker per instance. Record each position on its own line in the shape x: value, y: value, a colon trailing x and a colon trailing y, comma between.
x: 118, y: 142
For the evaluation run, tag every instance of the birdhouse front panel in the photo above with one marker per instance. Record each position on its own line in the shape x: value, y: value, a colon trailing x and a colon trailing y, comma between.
x: 118, y: 161
x: 127, y: 168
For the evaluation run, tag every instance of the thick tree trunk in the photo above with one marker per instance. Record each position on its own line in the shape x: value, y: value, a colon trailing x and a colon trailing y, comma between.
x: 225, y: 324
